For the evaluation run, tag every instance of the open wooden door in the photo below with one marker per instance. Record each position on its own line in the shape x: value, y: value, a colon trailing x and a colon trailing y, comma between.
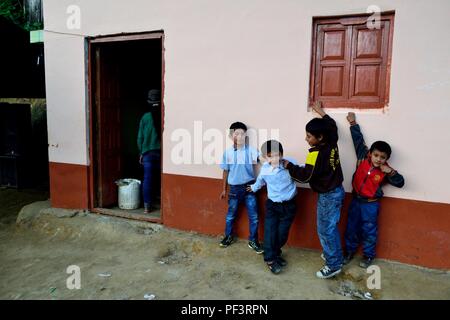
x: 108, y: 142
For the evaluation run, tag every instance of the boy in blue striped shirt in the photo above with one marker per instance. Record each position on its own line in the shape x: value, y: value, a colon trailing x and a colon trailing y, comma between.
x: 280, y: 205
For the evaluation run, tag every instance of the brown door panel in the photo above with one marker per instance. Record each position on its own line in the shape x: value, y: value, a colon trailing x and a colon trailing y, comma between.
x: 108, y: 133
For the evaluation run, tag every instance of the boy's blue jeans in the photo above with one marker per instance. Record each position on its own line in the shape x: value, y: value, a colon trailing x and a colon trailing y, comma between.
x: 329, y: 207
x: 151, y: 161
x: 236, y: 196
x: 362, y: 225
x: 278, y: 220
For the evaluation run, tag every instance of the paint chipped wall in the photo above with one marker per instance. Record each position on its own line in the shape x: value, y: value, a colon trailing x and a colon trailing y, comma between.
x: 249, y: 61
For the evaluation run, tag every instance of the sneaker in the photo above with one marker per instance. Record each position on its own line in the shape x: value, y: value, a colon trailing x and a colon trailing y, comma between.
x: 366, y: 262
x: 255, y: 246
x: 326, y: 272
x: 348, y: 257
x: 274, y: 267
x: 226, y: 241
x: 282, y: 262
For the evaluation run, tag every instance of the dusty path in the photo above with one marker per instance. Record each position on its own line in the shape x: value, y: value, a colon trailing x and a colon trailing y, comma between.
x: 141, y: 258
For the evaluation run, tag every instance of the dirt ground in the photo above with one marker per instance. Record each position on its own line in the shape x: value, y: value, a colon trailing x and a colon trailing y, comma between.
x: 124, y: 259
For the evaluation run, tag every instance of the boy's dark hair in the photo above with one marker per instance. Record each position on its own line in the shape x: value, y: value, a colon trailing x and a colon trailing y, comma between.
x: 271, y: 146
x: 318, y: 127
x: 238, y: 125
x: 381, y: 146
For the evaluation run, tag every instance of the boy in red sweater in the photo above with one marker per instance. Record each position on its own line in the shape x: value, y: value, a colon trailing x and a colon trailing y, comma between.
x: 371, y: 174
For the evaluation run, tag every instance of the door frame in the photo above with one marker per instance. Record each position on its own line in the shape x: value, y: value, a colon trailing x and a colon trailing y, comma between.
x: 90, y: 41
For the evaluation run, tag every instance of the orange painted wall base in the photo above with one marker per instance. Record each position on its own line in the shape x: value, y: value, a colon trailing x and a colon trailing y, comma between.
x: 69, y: 186
x: 413, y: 232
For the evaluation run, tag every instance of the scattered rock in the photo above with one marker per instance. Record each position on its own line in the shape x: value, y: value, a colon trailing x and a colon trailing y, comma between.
x: 149, y: 296
x: 368, y: 296
x: 105, y: 274
x: 31, y: 211
x: 349, y: 289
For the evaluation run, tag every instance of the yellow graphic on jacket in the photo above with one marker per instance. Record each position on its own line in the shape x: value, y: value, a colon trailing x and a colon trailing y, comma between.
x: 334, y: 158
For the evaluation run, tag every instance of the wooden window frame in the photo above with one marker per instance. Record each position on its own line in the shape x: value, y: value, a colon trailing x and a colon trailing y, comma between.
x: 355, y: 103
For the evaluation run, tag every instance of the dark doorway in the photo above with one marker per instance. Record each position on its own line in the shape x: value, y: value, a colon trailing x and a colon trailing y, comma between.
x: 122, y: 71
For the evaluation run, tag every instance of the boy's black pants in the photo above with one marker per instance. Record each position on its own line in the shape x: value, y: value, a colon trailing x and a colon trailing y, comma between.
x: 278, y: 220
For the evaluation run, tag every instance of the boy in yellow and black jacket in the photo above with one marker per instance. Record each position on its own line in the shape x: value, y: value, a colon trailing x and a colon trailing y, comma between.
x: 323, y: 172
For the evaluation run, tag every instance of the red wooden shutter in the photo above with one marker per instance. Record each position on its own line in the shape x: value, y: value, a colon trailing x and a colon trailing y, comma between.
x: 351, y: 62
x: 368, y: 65
x: 333, y: 63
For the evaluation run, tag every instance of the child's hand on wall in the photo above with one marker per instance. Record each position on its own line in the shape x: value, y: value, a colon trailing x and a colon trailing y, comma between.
x: 351, y: 117
x: 317, y: 107
x: 223, y: 195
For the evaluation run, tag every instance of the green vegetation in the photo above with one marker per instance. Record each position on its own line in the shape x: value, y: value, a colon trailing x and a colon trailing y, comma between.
x: 15, y: 11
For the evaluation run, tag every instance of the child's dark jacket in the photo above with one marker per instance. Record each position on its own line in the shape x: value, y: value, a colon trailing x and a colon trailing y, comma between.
x: 322, y: 167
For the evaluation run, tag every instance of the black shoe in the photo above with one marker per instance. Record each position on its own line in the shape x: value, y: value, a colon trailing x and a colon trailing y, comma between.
x: 326, y: 272
x: 255, y: 246
x: 366, y: 262
x: 281, y: 262
x: 226, y: 241
x: 348, y: 257
x: 274, y: 267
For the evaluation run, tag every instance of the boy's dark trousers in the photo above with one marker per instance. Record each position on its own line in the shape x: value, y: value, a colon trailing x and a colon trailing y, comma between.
x: 362, y: 226
x: 278, y: 220
x: 236, y: 196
